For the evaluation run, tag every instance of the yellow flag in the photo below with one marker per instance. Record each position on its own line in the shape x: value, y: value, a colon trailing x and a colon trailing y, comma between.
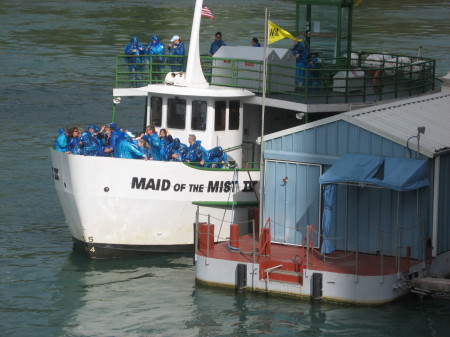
x: 277, y: 33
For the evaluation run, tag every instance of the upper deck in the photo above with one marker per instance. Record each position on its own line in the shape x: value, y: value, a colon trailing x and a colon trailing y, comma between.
x: 332, y: 85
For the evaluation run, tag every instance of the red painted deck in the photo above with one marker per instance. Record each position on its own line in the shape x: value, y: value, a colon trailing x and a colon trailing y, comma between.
x: 338, y: 261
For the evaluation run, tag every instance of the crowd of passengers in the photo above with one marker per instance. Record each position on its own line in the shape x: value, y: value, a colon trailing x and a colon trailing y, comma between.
x: 111, y: 141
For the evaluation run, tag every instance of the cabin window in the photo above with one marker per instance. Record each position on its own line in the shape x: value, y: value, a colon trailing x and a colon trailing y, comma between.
x: 198, y: 121
x: 233, y: 119
x: 220, y: 115
x: 155, y: 111
x: 176, y: 113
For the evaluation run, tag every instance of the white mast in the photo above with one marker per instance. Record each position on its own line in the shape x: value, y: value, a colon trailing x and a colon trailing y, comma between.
x: 194, y: 71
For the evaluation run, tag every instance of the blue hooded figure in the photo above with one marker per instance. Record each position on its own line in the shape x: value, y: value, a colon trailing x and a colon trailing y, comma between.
x: 74, y: 145
x: 116, y: 136
x: 155, y: 144
x: 156, y: 62
x: 128, y: 149
x: 301, y: 60
x: 176, y: 151
x: 89, y: 144
x: 216, y: 157
x: 135, y: 64
x: 176, y: 48
x: 61, y: 141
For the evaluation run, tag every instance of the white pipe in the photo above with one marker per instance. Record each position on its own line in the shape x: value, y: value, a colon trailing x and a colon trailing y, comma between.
x: 194, y: 72
x: 437, y: 165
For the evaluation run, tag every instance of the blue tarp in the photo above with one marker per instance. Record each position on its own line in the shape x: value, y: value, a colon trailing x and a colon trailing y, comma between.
x: 400, y: 174
x: 329, y: 198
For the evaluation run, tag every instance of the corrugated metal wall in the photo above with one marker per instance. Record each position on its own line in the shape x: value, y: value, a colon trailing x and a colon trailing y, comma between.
x: 367, y: 219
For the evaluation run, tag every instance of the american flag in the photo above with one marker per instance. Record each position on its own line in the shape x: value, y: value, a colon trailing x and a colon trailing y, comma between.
x: 207, y: 12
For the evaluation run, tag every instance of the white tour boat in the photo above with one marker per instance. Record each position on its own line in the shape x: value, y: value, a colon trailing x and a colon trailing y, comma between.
x: 116, y: 206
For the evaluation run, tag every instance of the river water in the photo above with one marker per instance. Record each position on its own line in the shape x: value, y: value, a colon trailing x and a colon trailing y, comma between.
x: 57, y: 69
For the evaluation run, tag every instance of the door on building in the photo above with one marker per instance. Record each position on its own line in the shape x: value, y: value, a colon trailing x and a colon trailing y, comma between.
x: 292, y: 201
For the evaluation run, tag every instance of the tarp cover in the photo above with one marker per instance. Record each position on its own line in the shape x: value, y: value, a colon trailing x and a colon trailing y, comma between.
x: 400, y: 174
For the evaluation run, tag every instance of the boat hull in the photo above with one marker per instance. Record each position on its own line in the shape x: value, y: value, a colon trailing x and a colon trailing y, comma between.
x: 126, y: 205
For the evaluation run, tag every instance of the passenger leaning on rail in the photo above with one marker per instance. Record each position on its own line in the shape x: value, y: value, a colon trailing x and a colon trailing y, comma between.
x: 216, y: 44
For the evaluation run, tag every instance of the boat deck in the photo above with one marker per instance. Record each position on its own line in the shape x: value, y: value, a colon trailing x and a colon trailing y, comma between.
x: 338, y: 261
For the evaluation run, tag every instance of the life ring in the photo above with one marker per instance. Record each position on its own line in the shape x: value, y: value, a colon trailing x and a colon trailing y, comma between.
x: 378, y: 81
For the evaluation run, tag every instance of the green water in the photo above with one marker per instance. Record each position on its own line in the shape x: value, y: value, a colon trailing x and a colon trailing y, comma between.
x: 56, y: 69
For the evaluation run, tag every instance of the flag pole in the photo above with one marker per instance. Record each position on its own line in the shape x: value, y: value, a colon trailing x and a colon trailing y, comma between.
x: 263, y: 111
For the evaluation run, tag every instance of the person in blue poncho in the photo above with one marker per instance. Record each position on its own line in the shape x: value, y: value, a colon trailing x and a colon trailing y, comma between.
x: 216, y: 44
x: 128, y: 149
x: 116, y: 136
x: 196, y: 153
x: 313, y: 69
x: 61, y: 141
x: 165, y: 140
x: 89, y: 146
x: 136, y: 64
x: 156, y: 62
x: 216, y: 157
x: 176, y: 48
x: 104, y: 138
x: 74, y: 145
x: 176, y: 151
x: 151, y: 137
x: 301, y: 54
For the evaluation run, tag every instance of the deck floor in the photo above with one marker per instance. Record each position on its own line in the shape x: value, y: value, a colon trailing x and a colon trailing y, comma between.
x: 338, y: 261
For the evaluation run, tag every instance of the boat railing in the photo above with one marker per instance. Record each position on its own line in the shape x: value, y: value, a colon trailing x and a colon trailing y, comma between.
x: 330, y: 80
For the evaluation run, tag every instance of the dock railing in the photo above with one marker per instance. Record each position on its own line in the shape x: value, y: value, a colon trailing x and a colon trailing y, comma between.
x: 330, y: 80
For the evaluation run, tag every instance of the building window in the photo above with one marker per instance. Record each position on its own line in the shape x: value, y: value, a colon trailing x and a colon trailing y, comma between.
x: 233, y: 121
x: 176, y: 113
x: 155, y: 111
x: 198, y: 121
x: 220, y: 115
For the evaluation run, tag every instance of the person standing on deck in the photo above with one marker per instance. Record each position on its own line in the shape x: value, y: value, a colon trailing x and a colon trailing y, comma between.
x: 216, y: 44
x: 301, y: 54
x: 135, y: 64
x: 156, y: 48
x: 176, y: 48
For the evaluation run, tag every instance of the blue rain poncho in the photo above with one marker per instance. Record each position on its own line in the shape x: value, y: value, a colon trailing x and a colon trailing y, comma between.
x: 135, y: 48
x: 156, y: 48
x: 61, y: 141
x: 178, y: 50
x: 196, y: 152
x: 177, y: 148
x: 74, y: 145
x: 215, y: 157
x: 116, y: 136
x: 301, y: 60
x: 89, y: 144
x: 127, y: 149
x: 155, y: 144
